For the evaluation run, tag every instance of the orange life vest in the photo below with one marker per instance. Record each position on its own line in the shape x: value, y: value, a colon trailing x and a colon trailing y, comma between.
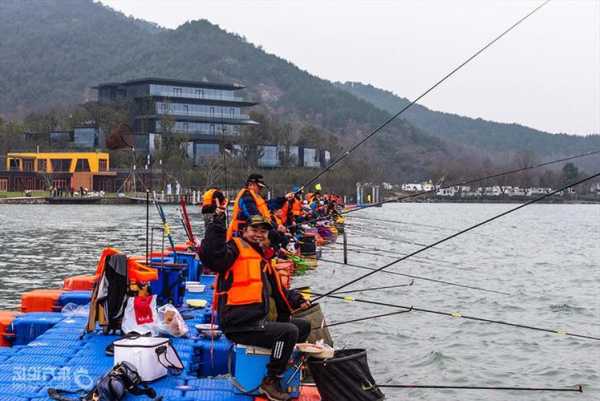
x: 261, y: 206
x: 247, y: 286
x: 297, y: 207
x: 208, y: 197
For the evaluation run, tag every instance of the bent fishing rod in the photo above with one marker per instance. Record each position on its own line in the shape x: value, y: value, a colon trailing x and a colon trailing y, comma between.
x: 460, y: 183
x: 464, y: 231
x: 457, y: 315
x: 422, y: 95
x: 474, y: 180
x: 471, y: 287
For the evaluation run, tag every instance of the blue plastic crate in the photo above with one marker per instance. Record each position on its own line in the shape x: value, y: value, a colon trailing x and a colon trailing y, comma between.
x: 170, y: 286
x: 212, y: 395
x: 48, y: 350
x: 20, y: 389
x: 251, y: 368
x: 207, y: 279
x: 189, y: 259
x: 29, y: 326
x: 74, y: 297
x: 212, y: 363
x: 215, y: 384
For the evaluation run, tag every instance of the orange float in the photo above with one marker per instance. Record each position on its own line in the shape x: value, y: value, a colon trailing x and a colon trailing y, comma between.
x: 6, y: 318
x: 79, y: 283
x: 40, y: 300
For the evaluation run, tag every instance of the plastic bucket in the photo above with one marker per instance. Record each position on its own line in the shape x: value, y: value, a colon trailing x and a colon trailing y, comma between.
x: 308, y: 245
x: 345, y: 377
x: 314, y: 315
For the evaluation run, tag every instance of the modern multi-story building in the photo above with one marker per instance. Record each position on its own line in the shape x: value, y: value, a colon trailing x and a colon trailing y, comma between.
x: 208, y: 114
x: 204, y: 112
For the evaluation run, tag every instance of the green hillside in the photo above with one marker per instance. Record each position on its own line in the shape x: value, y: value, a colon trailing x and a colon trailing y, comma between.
x: 485, y: 135
x: 51, y: 52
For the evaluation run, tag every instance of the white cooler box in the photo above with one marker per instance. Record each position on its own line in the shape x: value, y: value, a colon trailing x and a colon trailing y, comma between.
x: 151, y: 356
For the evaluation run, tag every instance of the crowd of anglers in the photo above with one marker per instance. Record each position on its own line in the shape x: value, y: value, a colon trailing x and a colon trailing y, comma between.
x: 254, y: 307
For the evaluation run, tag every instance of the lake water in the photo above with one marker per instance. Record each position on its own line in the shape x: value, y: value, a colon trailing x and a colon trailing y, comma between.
x: 545, y: 256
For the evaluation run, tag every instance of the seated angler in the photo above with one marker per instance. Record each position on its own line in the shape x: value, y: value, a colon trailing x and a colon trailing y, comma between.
x: 253, y: 307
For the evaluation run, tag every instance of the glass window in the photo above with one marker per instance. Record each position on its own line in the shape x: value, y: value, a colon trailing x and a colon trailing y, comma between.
x: 14, y: 164
x: 82, y: 165
x: 61, y: 165
x: 103, y: 165
x: 27, y: 164
x: 42, y: 165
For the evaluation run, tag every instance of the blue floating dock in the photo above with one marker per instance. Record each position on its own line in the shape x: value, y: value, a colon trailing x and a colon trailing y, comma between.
x: 50, y: 351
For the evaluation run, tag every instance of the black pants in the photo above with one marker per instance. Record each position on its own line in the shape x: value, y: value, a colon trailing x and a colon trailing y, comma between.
x: 279, y: 337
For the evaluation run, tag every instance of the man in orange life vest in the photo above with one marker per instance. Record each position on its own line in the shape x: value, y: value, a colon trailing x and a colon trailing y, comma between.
x: 249, y: 202
x: 253, y: 307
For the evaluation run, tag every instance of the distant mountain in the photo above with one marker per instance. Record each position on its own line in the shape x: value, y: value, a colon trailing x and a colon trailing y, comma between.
x: 494, y: 138
x: 51, y: 52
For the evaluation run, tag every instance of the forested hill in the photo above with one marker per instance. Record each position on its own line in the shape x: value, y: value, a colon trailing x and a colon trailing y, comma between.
x: 51, y: 52
x: 485, y: 135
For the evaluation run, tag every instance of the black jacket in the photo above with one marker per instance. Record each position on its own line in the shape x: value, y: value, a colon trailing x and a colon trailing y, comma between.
x: 219, y: 255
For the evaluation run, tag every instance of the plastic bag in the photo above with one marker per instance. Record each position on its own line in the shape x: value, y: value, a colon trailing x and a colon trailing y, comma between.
x: 171, y: 321
x: 130, y: 323
x: 74, y: 310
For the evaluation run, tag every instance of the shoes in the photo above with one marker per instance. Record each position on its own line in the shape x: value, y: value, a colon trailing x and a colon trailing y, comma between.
x: 271, y: 389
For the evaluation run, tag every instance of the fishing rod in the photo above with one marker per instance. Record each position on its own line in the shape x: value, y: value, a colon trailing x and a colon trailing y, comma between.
x: 185, y: 219
x: 418, y: 278
x: 578, y: 388
x: 166, y: 227
x: 474, y: 180
x: 425, y: 93
x: 460, y: 183
x: 451, y: 314
x: 409, y: 284
x: 473, y: 227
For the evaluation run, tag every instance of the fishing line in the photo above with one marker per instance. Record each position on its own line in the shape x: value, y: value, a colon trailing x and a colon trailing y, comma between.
x: 461, y: 183
x: 472, y: 181
x: 457, y: 315
x: 577, y: 388
x: 420, y: 260
x: 359, y: 319
x: 418, y: 251
x: 377, y: 288
x: 403, y: 222
x: 471, y: 287
x: 412, y: 103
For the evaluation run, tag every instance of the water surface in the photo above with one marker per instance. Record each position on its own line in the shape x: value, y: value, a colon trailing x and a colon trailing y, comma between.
x: 545, y: 256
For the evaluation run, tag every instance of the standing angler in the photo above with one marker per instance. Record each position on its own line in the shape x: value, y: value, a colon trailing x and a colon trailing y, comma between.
x: 248, y: 202
x: 253, y: 306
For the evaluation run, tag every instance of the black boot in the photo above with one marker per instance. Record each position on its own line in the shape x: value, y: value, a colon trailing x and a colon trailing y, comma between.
x: 271, y: 389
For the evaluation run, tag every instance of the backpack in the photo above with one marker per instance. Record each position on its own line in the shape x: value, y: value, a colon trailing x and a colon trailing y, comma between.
x: 123, y: 378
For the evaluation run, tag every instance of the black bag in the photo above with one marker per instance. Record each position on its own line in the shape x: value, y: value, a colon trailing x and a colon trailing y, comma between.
x: 123, y: 378
x: 345, y: 377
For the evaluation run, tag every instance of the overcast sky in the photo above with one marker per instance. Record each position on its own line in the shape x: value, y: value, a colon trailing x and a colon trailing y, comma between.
x: 545, y: 74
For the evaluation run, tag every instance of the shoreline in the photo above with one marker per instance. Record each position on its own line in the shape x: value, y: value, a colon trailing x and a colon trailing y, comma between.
x: 41, y: 200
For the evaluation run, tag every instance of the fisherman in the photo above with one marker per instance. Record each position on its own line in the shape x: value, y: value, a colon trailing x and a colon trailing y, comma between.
x: 211, y: 200
x: 253, y: 307
x: 292, y: 208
